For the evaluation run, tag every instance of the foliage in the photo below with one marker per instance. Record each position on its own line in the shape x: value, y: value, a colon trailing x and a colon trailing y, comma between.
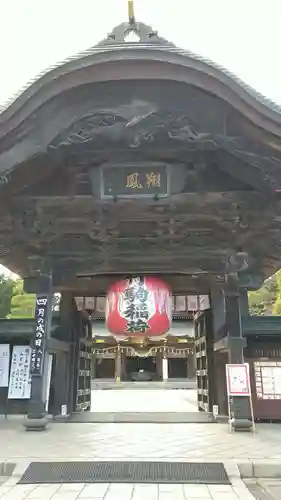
x: 277, y: 304
x: 6, y: 293
x: 16, y: 304
x: 23, y: 304
x: 267, y: 300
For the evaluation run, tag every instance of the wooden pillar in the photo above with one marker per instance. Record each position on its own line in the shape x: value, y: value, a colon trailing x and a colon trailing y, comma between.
x: 244, y: 302
x: 159, y: 370
x: 240, y: 407
x: 60, y: 382
x: 123, y: 366
x: 37, y: 419
x: 118, y: 365
x: 191, y: 371
x: 165, y: 367
x: 69, y: 332
x: 93, y: 365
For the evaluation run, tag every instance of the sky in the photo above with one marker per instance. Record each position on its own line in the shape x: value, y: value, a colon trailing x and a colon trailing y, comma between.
x: 242, y: 36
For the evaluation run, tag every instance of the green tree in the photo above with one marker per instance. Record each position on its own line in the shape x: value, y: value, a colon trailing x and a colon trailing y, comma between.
x: 277, y: 303
x: 262, y: 301
x: 22, y: 304
x: 6, y: 292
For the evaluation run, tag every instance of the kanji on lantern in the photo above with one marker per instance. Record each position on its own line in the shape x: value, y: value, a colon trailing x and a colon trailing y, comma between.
x: 139, y: 307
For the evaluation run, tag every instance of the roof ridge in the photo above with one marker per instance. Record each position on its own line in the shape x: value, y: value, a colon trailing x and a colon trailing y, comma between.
x: 109, y: 45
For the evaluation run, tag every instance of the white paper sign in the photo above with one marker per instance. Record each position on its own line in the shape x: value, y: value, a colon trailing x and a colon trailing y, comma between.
x: 20, y: 383
x: 238, y: 380
x: 4, y: 364
x: 215, y: 411
x: 64, y: 410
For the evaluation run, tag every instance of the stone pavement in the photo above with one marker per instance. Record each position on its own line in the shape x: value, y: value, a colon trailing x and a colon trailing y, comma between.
x: 167, y: 442
x: 172, y: 442
x: 265, y: 489
x: 142, y: 400
x: 124, y: 492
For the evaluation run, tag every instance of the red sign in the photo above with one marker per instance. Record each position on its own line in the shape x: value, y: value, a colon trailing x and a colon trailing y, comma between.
x: 238, y: 380
x: 139, y: 307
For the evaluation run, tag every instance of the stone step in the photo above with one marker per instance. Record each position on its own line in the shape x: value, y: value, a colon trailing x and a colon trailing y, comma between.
x: 143, y: 417
x: 6, y: 469
x: 112, y: 385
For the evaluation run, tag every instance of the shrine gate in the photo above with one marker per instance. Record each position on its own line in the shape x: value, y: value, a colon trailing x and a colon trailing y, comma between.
x: 137, y: 158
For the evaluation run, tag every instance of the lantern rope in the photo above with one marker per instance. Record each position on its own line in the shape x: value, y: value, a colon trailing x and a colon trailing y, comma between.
x: 153, y: 350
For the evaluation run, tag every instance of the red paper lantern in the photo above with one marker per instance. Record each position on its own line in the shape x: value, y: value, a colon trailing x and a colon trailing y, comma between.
x: 139, y: 307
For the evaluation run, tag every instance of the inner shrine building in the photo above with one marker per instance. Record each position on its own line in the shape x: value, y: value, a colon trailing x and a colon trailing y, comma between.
x: 158, y: 358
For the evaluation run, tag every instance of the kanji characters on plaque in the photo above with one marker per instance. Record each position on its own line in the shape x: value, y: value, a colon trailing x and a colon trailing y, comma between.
x: 38, y: 340
x: 19, y: 383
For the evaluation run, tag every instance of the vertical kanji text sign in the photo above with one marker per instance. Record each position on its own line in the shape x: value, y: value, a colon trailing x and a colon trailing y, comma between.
x: 38, y: 339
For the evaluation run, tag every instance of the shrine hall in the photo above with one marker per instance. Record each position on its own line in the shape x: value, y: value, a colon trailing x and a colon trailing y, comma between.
x: 142, y: 183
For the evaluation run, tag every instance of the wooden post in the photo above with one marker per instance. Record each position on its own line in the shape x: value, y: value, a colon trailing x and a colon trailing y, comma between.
x: 118, y: 365
x: 165, y: 367
x: 37, y: 418
x: 93, y: 365
x: 158, y: 360
x: 239, y: 406
x: 190, y: 362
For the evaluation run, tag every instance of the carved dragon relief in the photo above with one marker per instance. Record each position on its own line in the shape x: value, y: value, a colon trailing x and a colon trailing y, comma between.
x: 135, y: 124
x: 140, y: 123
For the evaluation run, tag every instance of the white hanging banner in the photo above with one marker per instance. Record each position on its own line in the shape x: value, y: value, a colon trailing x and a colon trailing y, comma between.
x: 20, y: 380
x: 79, y: 303
x: 49, y: 377
x: 90, y: 303
x: 192, y: 303
x: 204, y: 302
x: 4, y: 364
x: 180, y: 302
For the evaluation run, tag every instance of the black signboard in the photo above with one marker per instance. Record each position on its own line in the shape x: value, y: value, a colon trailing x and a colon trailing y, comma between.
x: 135, y: 181
x: 38, y: 340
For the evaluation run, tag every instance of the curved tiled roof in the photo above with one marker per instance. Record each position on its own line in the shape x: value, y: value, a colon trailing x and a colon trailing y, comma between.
x: 109, y: 45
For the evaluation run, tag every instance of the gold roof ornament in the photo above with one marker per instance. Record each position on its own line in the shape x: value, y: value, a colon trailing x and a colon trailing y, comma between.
x: 131, y: 11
